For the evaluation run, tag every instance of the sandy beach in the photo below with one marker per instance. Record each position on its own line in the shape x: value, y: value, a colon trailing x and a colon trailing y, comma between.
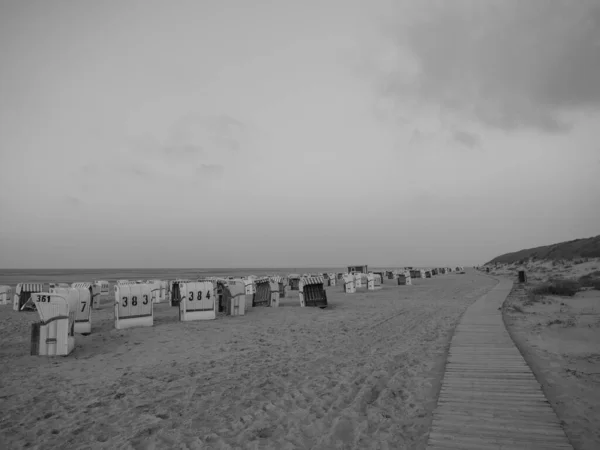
x: 361, y: 374
x: 191, y: 141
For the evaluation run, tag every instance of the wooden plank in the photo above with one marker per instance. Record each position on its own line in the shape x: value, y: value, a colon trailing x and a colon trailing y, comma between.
x: 466, y: 392
x: 499, y: 371
x: 484, y: 380
x: 516, y: 378
x: 515, y: 428
x: 465, y: 416
x: 467, y: 404
x: 490, y: 377
x: 488, y: 356
x: 486, y: 383
x: 450, y: 389
x: 484, y: 360
x: 547, y: 437
x: 457, y: 371
x: 486, y: 352
x: 489, y: 398
x: 501, y: 440
x: 463, y: 444
x: 506, y: 434
x: 450, y: 411
x: 456, y: 420
x: 470, y: 367
x: 451, y: 445
x: 467, y: 370
x: 444, y: 406
x: 459, y: 392
x: 485, y: 369
x: 490, y: 372
x: 483, y: 401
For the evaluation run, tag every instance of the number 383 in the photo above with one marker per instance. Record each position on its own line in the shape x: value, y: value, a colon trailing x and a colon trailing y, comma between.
x: 198, y: 295
x: 134, y: 300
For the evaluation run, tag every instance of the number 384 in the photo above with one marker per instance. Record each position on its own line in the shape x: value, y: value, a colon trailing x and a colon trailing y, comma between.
x: 134, y: 300
x: 198, y: 296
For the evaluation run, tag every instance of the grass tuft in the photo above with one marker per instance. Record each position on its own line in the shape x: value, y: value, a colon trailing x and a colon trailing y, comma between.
x: 591, y: 280
x: 561, y: 287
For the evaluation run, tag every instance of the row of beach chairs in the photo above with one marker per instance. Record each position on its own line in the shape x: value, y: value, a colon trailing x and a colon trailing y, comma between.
x: 66, y: 310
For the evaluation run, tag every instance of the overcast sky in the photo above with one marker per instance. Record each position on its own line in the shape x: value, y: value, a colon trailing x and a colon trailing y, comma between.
x: 295, y: 133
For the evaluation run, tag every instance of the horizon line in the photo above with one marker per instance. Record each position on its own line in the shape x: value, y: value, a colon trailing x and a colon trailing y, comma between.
x: 207, y: 268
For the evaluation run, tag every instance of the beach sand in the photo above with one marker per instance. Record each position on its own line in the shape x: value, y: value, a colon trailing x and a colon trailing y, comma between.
x: 361, y: 374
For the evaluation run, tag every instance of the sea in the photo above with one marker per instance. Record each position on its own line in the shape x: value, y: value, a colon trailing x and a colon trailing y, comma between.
x: 12, y: 277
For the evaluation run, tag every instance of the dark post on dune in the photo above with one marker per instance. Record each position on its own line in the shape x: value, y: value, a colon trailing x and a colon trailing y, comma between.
x: 522, y: 276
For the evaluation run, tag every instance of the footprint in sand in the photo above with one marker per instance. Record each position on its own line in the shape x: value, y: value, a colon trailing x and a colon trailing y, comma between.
x: 343, y: 431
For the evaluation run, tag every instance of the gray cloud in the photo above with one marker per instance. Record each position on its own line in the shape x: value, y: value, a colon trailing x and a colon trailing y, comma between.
x: 211, y: 170
x: 228, y: 131
x: 138, y: 171
x: 73, y: 201
x: 145, y: 144
x: 423, y: 196
x: 220, y: 131
x: 467, y: 139
x: 416, y: 137
x: 90, y: 169
x: 62, y: 245
x: 183, y: 151
x: 385, y: 110
x: 507, y: 63
x: 130, y: 169
x: 147, y: 148
x: 419, y: 137
x: 193, y: 138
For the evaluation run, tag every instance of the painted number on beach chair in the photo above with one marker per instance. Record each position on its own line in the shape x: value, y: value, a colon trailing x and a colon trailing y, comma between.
x: 198, y: 300
x: 134, y: 306
x: 84, y: 312
x: 198, y: 296
x: 43, y: 299
x: 134, y: 300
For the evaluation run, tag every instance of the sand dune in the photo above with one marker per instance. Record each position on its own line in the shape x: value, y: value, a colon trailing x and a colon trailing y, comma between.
x: 560, y: 339
x: 542, y: 270
x: 362, y: 374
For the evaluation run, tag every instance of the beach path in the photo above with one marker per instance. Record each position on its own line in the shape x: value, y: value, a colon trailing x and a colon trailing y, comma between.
x: 489, y: 398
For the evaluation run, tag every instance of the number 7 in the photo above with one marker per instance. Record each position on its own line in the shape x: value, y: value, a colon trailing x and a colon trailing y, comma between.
x: 83, y: 307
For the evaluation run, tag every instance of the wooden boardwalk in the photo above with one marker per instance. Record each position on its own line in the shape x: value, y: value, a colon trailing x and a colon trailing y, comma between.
x: 489, y: 397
